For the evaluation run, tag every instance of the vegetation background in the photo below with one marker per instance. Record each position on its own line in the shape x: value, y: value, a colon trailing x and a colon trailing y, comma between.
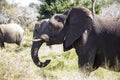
x: 16, y: 62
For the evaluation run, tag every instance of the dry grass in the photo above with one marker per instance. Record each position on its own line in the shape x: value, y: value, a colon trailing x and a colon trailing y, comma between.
x: 16, y: 64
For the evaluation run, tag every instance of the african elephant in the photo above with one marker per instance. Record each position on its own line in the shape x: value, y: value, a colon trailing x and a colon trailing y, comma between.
x: 95, y: 38
x: 11, y: 33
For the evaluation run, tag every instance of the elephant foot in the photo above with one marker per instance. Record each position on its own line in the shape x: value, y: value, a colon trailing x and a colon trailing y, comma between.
x: 85, y: 71
x: 19, y: 43
x: 84, y: 74
x: 2, y: 47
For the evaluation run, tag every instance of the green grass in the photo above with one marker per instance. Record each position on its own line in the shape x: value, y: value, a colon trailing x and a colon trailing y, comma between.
x: 16, y: 64
x: 64, y: 61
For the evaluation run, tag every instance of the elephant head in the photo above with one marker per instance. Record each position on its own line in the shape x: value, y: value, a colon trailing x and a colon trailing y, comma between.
x: 63, y: 28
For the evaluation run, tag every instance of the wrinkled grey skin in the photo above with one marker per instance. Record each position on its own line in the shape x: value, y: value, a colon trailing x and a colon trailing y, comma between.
x: 95, y: 38
x: 11, y: 33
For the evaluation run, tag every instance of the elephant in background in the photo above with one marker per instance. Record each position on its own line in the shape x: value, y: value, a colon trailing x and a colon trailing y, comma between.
x: 95, y: 38
x: 11, y: 33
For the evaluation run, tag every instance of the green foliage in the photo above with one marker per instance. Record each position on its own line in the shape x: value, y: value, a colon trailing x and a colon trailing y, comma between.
x: 88, y: 5
x: 51, y: 7
x: 66, y: 61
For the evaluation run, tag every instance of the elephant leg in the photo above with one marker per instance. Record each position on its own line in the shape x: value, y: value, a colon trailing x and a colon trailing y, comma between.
x: 98, y: 60
x: 2, y: 45
x: 19, y: 43
x: 86, y: 57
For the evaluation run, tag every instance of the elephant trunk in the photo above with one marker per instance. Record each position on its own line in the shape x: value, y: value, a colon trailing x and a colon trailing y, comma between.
x: 34, y: 54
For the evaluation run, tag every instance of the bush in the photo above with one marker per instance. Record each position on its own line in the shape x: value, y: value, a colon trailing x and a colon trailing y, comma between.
x: 51, y: 7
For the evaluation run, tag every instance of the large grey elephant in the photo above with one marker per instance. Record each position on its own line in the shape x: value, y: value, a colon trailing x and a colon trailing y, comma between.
x: 95, y: 38
x: 11, y: 33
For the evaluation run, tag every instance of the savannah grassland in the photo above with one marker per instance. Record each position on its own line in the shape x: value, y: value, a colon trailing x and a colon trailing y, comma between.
x: 16, y: 64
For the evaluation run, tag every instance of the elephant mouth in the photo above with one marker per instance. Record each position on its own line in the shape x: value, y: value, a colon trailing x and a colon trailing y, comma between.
x: 49, y: 43
x: 53, y: 41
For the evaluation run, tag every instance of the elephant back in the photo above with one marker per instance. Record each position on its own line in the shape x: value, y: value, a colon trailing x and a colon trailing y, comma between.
x: 12, y: 32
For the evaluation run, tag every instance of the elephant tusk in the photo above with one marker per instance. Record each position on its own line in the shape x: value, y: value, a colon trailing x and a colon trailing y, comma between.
x: 35, y: 40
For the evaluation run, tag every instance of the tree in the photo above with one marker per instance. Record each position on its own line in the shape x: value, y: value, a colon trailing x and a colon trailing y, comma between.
x: 24, y: 16
x: 3, y: 14
x: 50, y: 7
x: 113, y: 10
x: 3, y: 3
x: 4, y: 11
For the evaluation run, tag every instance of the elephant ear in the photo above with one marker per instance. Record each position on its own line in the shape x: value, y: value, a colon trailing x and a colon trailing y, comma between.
x: 78, y: 20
